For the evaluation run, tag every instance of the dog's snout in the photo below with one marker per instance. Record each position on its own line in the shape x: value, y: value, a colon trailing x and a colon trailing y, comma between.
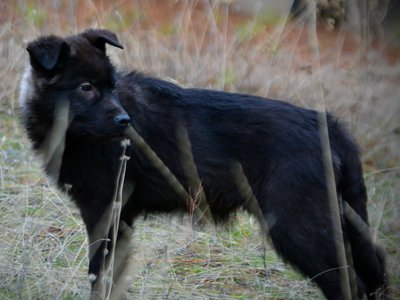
x: 122, y: 120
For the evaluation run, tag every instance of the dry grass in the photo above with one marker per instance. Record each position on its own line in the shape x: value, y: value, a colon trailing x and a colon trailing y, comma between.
x: 43, y: 247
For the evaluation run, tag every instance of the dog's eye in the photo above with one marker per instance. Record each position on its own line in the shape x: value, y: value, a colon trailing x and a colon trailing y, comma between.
x: 86, y: 87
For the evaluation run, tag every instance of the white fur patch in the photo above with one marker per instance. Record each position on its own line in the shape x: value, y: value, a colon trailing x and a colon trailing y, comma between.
x: 92, y: 277
x: 27, y: 88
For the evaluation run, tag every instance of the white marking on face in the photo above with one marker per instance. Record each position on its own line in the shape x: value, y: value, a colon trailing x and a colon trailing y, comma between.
x: 27, y: 88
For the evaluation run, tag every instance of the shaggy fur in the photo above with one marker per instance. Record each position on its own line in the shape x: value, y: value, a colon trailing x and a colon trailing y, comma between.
x: 277, y: 144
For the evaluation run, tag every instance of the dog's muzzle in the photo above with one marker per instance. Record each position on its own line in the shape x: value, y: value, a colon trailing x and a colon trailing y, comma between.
x: 122, y: 120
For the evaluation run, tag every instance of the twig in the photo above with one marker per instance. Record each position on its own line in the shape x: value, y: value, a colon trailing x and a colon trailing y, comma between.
x: 201, y: 211
x: 105, y: 286
x: 157, y: 162
x: 333, y: 200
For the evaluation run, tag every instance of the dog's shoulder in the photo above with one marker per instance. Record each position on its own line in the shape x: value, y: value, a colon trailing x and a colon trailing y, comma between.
x: 145, y: 90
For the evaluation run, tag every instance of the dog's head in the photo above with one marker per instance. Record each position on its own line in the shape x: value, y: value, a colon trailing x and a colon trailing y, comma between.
x: 73, y: 69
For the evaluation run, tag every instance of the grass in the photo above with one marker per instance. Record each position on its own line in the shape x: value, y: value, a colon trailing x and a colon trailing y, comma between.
x: 43, y: 246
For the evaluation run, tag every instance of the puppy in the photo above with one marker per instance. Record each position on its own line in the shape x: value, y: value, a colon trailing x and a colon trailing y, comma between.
x: 264, y: 156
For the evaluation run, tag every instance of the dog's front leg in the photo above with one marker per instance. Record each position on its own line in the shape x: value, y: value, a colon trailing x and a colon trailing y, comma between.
x: 99, y: 247
x: 109, y: 258
x: 109, y: 247
x: 109, y: 282
x: 119, y: 261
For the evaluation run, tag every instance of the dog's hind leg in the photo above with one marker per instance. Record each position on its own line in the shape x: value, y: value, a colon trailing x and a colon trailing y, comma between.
x: 369, y: 259
x: 298, y: 216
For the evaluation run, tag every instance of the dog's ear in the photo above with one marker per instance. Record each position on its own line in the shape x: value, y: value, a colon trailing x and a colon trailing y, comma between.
x: 100, y: 37
x: 46, y: 52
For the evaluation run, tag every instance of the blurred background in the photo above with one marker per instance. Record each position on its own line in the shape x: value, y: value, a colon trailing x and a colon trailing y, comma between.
x: 343, y: 56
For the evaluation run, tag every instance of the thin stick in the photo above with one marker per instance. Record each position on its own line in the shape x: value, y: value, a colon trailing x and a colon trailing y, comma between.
x: 110, y: 219
x: 52, y: 148
x: 251, y: 204
x: 111, y: 267
x: 246, y: 192
x: 347, y: 288
x: 334, y: 207
x: 202, y: 213
x: 157, y: 163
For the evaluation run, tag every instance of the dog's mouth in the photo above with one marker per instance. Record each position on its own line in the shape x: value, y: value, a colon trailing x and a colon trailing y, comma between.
x: 108, y: 138
x: 98, y: 137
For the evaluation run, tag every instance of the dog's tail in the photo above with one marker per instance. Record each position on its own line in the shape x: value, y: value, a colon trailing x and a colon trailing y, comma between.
x: 368, y: 258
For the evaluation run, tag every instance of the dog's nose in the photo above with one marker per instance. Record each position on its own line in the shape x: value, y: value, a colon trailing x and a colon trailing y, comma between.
x: 122, y: 120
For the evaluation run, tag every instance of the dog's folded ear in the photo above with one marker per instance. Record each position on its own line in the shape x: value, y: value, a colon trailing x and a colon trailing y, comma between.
x: 100, y: 37
x: 46, y: 52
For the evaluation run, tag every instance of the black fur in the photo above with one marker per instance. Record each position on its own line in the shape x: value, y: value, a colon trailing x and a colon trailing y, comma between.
x: 277, y: 144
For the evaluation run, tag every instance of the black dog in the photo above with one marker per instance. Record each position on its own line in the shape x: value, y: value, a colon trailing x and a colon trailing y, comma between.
x: 276, y: 145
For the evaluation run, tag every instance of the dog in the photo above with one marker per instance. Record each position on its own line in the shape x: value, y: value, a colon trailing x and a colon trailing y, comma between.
x: 244, y: 152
